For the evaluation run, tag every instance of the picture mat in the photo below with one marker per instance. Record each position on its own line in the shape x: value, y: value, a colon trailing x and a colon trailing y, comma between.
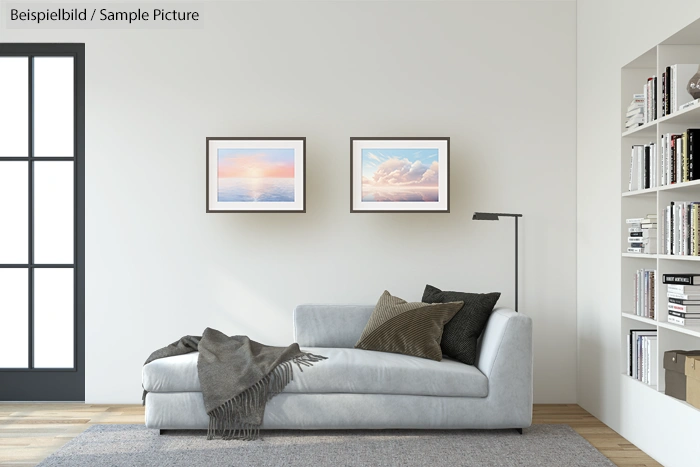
x: 359, y: 144
x: 212, y: 195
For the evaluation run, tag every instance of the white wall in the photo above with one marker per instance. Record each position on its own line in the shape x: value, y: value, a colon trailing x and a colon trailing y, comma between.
x: 497, y: 77
x: 610, y: 34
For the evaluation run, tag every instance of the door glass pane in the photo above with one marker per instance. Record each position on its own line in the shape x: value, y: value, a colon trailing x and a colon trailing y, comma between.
x: 14, y: 212
x: 53, y: 318
x: 14, y: 106
x: 53, y: 212
x: 53, y: 107
x: 14, y: 318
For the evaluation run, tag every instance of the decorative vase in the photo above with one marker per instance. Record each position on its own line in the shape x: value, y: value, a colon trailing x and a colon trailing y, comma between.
x: 694, y: 85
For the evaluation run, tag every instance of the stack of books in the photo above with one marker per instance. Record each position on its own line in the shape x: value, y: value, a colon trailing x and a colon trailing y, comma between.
x: 683, y: 294
x: 645, y: 293
x: 643, y: 167
x: 680, y: 230
x: 678, y: 156
x: 674, y: 95
x: 642, y: 234
x: 642, y: 363
x: 635, y: 112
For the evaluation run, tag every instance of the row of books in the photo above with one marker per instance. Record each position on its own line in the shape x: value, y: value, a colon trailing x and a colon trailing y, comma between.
x: 683, y: 295
x: 680, y: 230
x: 678, y: 152
x: 674, y: 81
x: 643, y: 166
x: 644, y: 107
x: 642, y: 234
x: 642, y: 363
x: 645, y: 293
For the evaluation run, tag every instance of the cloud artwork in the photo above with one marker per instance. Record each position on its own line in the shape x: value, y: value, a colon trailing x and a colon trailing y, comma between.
x: 397, y: 175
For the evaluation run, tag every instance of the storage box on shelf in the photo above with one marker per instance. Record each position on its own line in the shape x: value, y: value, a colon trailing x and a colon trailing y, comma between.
x: 656, y: 173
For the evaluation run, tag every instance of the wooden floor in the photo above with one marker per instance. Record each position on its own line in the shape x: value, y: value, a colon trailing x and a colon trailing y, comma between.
x: 30, y: 432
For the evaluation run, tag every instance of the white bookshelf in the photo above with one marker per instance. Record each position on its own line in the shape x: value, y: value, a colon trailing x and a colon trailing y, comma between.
x: 683, y: 47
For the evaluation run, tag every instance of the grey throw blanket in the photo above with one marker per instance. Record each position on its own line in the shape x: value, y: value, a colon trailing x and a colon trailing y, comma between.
x: 238, y: 376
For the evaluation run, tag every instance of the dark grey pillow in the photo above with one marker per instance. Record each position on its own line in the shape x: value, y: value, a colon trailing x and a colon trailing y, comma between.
x: 460, y: 334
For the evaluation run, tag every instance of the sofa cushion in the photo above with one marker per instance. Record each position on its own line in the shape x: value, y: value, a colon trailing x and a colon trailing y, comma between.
x: 407, y: 328
x: 346, y: 371
x: 460, y: 335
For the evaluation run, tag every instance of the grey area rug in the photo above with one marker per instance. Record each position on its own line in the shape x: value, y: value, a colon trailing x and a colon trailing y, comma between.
x: 135, y: 445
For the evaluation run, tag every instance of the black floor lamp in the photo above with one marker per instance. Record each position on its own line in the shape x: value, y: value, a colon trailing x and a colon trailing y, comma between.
x: 494, y: 216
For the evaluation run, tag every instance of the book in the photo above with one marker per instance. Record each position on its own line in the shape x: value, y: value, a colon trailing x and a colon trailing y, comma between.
x: 667, y: 87
x: 682, y: 321
x: 684, y: 314
x: 690, y: 104
x: 683, y: 308
x: 680, y: 75
x: 681, y: 301
x: 684, y: 279
x: 683, y: 296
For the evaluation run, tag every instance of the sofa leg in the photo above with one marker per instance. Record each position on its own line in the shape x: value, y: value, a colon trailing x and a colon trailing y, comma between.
x: 160, y: 432
x: 519, y: 430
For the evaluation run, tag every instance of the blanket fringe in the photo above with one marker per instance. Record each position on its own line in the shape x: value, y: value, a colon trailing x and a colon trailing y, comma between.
x: 227, y: 420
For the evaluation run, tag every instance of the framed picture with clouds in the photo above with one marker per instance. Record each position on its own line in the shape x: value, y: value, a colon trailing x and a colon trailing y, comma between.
x: 400, y: 174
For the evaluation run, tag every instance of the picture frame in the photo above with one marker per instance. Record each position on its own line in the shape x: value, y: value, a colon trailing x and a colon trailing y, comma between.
x: 256, y: 174
x: 400, y: 174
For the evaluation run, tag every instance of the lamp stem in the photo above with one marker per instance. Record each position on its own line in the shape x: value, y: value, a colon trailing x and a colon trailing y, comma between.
x: 516, y: 264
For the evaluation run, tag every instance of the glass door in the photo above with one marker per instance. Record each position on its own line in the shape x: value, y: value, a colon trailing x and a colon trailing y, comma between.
x: 42, y: 222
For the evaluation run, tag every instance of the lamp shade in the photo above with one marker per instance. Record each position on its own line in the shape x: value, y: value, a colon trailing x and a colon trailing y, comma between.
x: 485, y: 216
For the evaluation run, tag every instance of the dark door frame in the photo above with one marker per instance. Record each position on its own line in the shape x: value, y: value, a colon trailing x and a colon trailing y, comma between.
x: 30, y: 384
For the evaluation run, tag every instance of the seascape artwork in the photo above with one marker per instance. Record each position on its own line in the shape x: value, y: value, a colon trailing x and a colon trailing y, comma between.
x: 255, y: 175
x: 400, y: 175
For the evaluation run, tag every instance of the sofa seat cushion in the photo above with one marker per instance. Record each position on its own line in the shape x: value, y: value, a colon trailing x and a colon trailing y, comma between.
x: 346, y: 371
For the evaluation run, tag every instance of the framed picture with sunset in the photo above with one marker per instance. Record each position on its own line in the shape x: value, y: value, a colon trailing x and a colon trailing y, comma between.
x: 400, y: 174
x: 256, y: 174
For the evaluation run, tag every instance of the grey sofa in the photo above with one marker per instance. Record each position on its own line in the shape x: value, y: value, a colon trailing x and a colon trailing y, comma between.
x: 362, y: 389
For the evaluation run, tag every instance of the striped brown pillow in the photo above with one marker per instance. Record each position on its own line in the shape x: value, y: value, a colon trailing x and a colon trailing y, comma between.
x: 398, y: 326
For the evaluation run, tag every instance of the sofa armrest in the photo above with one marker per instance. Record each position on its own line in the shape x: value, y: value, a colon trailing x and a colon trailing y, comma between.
x: 505, y: 358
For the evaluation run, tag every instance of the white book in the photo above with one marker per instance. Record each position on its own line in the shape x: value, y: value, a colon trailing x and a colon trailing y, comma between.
x: 690, y: 104
x: 663, y: 161
x: 634, y: 169
x: 653, y: 361
x: 680, y: 75
x: 683, y: 296
x: 682, y: 288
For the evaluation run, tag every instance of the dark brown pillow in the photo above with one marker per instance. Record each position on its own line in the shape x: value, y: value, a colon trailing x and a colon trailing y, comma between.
x: 398, y: 326
x: 459, y: 339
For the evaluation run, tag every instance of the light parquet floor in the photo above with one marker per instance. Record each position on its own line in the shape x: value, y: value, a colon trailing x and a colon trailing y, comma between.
x: 29, y: 432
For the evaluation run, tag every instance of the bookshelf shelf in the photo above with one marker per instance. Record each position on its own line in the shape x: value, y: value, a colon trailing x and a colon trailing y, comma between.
x: 683, y: 49
x: 695, y: 184
x: 653, y: 387
x: 689, y: 330
x: 679, y: 257
x: 646, y: 191
x: 648, y: 129
x: 689, y: 115
x: 639, y: 255
x: 641, y: 319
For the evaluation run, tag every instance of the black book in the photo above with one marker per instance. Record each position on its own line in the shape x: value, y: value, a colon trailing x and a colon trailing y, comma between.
x: 680, y: 301
x: 693, y: 135
x: 667, y: 102
x: 680, y: 314
x: 636, y: 234
x: 663, y: 94
x: 654, y: 107
x: 685, y: 279
x: 646, y: 166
